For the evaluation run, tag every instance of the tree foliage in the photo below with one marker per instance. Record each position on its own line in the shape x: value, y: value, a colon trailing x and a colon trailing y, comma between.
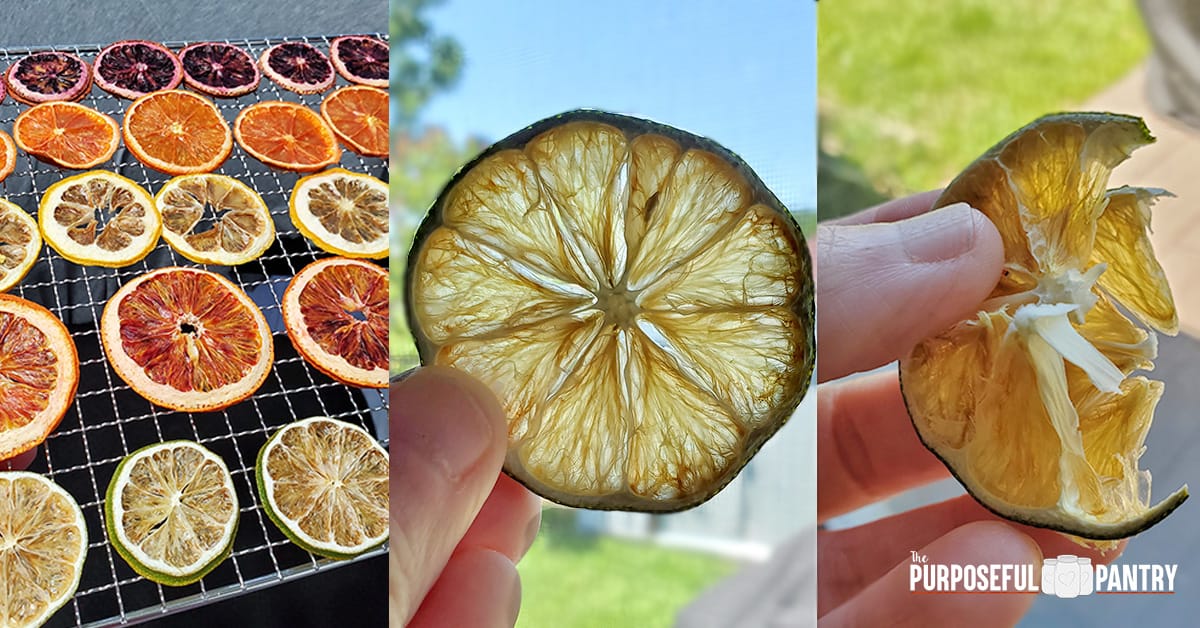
x: 423, y: 62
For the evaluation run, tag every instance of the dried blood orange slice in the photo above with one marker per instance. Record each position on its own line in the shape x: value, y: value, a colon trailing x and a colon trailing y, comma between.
x: 358, y: 115
x: 298, y: 66
x: 67, y: 134
x: 343, y: 212
x: 39, y: 370
x: 187, y: 339
x: 133, y: 68
x: 20, y: 243
x: 177, y: 132
x: 361, y: 59
x: 336, y: 313
x: 48, y: 76
x: 286, y: 135
x: 99, y: 218
x: 8, y: 152
x: 214, y: 219
x: 219, y: 69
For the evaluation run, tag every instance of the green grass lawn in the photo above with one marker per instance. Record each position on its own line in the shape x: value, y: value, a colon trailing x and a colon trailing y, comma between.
x: 911, y: 92
x: 583, y: 581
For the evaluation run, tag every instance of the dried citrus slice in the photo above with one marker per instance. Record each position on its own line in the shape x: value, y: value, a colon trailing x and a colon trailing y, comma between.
x: 358, y: 115
x: 99, y: 218
x: 298, y: 66
x: 638, y: 300
x: 171, y: 511
x: 133, y: 68
x: 177, y: 132
x: 8, y: 153
x: 1031, y: 402
x: 286, y: 135
x: 187, y: 339
x: 325, y: 484
x: 343, y: 212
x: 238, y: 226
x: 39, y: 371
x: 336, y: 313
x: 20, y: 243
x: 67, y: 134
x: 51, y: 75
x: 45, y: 544
x: 219, y: 69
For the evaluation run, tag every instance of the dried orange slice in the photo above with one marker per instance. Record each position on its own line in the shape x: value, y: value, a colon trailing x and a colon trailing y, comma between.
x: 286, y: 135
x: 39, y: 370
x: 636, y: 297
x: 187, y: 339
x: 177, y: 132
x: 99, y: 218
x: 343, y: 212
x: 336, y: 313
x: 67, y: 134
x: 20, y: 243
x: 238, y: 226
x: 1032, y: 402
x: 358, y: 115
x: 9, y: 155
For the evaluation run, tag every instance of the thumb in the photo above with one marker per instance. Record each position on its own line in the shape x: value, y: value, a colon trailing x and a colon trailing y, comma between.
x: 448, y: 436
x: 886, y: 286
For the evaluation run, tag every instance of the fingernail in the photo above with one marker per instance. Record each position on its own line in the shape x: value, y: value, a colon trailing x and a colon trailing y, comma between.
x: 444, y: 417
x: 940, y: 235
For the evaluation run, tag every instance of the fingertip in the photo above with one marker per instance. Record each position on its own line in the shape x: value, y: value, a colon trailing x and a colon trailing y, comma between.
x: 479, y: 587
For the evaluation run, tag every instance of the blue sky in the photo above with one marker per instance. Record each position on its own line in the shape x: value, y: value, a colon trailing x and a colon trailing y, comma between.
x: 743, y: 74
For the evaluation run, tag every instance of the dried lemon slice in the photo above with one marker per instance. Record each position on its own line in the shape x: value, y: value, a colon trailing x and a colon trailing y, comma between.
x: 1031, y: 402
x: 343, y: 212
x: 214, y: 219
x: 20, y: 243
x: 636, y: 297
x: 99, y: 218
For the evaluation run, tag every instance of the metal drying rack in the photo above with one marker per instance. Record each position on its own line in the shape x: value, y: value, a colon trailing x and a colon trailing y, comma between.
x: 109, y: 420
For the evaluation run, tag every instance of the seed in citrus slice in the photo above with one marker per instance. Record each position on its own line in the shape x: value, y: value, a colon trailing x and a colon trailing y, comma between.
x: 345, y: 213
x: 20, y: 243
x: 67, y: 134
x: 39, y: 371
x: 133, y: 68
x: 187, y: 339
x: 214, y: 219
x: 219, y: 69
x: 1031, y: 402
x: 99, y: 218
x: 177, y: 132
x: 358, y: 115
x: 8, y: 152
x: 324, y: 483
x: 171, y: 512
x: 361, y: 59
x: 286, y: 135
x: 298, y: 66
x: 45, y: 544
x: 336, y: 313
x: 636, y: 297
x: 48, y: 76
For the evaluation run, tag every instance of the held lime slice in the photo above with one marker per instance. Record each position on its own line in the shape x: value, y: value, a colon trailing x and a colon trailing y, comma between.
x: 171, y: 512
x: 639, y: 301
x: 1031, y: 402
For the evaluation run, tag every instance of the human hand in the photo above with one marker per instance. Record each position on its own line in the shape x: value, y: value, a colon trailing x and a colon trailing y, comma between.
x: 889, y: 277
x: 458, y: 526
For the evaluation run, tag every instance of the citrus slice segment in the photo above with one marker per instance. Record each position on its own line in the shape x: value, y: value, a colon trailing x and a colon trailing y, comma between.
x: 8, y: 153
x: 638, y: 300
x: 358, y: 115
x: 286, y: 135
x: 187, y: 339
x: 171, y: 511
x: 1031, y: 402
x: 67, y: 134
x: 177, y: 132
x: 99, y: 218
x: 345, y: 213
x: 39, y: 372
x: 45, y: 544
x: 214, y: 219
x: 20, y: 243
x: 324, y: 483
x: 336, y: 313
